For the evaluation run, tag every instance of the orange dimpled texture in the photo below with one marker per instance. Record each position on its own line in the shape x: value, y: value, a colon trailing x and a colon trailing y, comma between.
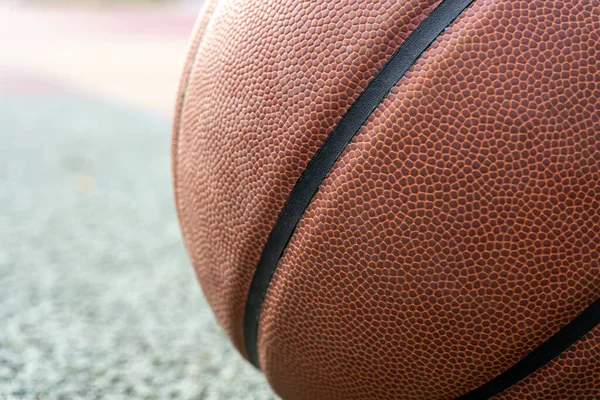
x: 572, y: 375
x: 269, y: 81
x: 457, y: 232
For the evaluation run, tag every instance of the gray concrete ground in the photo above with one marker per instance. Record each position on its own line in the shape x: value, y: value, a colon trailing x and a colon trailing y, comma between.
x: 97, y: 297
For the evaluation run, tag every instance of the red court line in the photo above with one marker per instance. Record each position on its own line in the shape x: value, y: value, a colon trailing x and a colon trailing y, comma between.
x: 15, y: 80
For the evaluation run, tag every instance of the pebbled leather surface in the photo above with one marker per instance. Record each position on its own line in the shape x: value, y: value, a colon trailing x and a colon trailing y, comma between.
x: 195, y: 39
x: 270, y: 81
x: 461, y: 227
x: 572, y: 375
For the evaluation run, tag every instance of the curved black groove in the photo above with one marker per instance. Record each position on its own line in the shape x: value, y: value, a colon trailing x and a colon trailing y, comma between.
x: 543, y: 354
x: 324, y: 159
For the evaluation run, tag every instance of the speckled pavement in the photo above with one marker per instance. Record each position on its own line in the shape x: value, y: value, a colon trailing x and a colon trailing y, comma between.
x: 97, y: 297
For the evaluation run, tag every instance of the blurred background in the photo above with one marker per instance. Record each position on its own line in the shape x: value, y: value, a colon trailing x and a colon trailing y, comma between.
x: 97, y: 296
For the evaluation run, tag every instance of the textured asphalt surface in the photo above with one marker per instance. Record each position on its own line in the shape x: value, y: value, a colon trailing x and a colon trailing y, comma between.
x: 97, y: 297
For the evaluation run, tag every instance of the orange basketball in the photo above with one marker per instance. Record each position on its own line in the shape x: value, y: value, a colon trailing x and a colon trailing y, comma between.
x: 398, y: 199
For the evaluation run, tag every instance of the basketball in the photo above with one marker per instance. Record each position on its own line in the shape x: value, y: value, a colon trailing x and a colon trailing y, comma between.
x: 398, y: 199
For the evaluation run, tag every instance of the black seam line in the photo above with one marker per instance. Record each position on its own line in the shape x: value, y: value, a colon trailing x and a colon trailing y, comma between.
x: 540, y: 356
x: 204, y: 17
x: 324, y: 159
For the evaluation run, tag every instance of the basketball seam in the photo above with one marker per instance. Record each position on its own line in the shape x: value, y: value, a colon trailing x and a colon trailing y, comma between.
x: 320, y: 165
x: 541, y: 355
x: 197, y: 37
